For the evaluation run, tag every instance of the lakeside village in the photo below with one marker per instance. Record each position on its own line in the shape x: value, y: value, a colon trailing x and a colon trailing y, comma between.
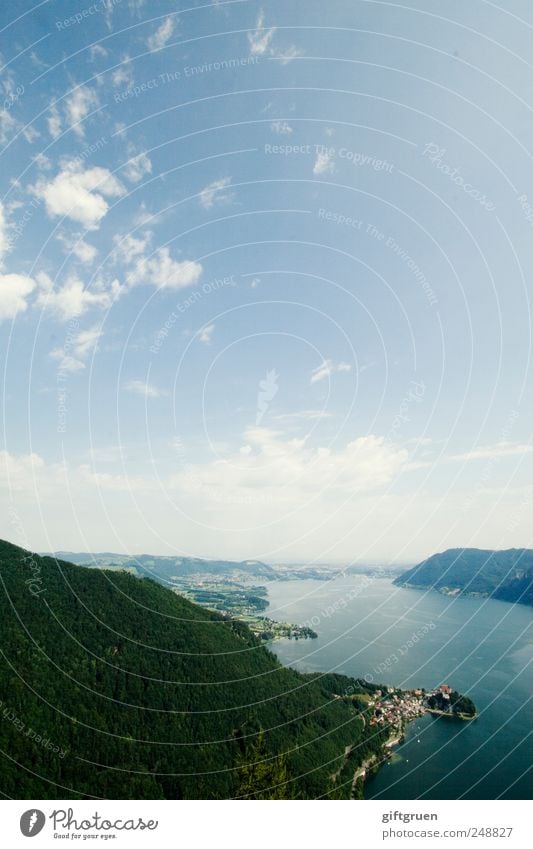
x: 394, y: 708
x: 390, y: 709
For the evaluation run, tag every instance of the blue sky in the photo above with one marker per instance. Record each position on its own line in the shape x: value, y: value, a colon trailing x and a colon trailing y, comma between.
x: 265, y: 277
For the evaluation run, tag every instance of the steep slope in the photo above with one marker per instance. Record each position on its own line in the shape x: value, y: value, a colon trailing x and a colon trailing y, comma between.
x: 505, y: 575
x: 115, y: 687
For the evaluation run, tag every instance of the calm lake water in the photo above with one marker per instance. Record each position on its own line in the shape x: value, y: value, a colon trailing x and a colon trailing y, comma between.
x: 483, y: 648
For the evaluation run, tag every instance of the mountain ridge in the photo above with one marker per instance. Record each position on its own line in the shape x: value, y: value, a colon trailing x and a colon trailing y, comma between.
x: 505, y: 575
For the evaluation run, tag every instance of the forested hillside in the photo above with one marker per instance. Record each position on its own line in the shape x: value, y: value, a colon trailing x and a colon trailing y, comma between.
x: 115, y: 687
x: 505, y: 575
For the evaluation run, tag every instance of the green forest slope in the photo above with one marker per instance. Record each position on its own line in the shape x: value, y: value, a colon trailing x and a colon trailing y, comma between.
x: 115, y: 687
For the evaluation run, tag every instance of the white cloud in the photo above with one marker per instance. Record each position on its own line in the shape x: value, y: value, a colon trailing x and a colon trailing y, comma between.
x: 78, y: 194
x: 205, y: 334
x: 128, y: 247
x: 97, y: 50
x: 327, y: 368
x: 284, y: 472
x: 123, y: 75
x: 259, y: 40
x: 142, y: 387
x: 54, y: 122
x: 77, y: 106
x: 72, y: 356
x: 282, y: 128
x: 7, y: 125
x: 135, y: 169
x: 78, y: 247
x: 215, y: 193
x: 161, y: 35
x: 164, y: 272
x: 17, y: 472
x: 73, y: 298
x: 14, y: 291
x: 324, y: 163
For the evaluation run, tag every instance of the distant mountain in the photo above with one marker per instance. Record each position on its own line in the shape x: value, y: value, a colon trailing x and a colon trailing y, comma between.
x: 164, y: 569
x: 505, y: 575
x: 115, y: 687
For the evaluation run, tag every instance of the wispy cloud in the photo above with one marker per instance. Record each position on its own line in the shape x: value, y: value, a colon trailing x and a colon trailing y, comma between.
x: 54, y: 121
x: 327, y: 368
x: 162, y: 35
x: 288, y: 54
x: 324, y: 163
x: 205, y: 334
x: 78, y: 247
x: 137, y: 167
x: 215, y: 193
x: 142, y: 387
x: 489, y: 452
x: 282, y: 128
x: 72, y: 356
x: 78, y: 105
x: 260, y: 38
x: 304, y: 415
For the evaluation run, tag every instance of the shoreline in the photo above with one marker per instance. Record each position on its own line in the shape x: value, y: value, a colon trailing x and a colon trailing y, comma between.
x: 396, y: 737
x: 376, y: 762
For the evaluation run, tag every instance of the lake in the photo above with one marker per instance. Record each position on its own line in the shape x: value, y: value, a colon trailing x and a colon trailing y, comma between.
x: 409, y: 638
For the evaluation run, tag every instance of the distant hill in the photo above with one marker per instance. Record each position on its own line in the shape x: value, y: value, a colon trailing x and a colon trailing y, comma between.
x: 164, y: 569
x: 115, y: 687
x: 505, y: 575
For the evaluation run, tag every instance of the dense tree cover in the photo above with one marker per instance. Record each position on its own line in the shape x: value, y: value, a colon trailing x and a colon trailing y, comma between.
x: 456, y: 703
x: 115, y: 687
x: 505, y: 575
